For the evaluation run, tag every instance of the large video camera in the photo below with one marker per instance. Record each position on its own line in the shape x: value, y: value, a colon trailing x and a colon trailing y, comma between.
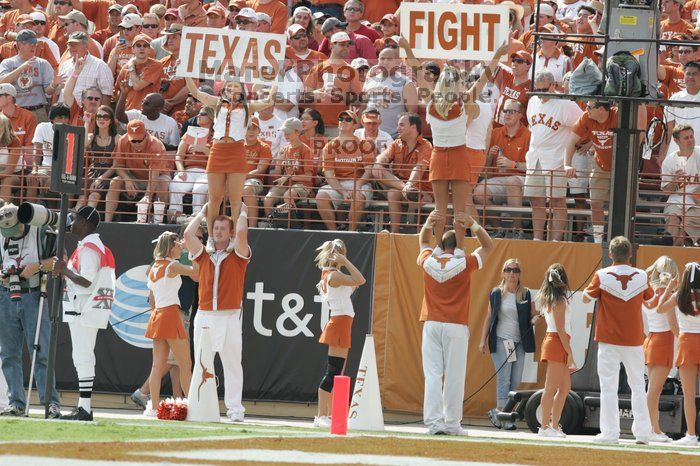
x: 39, y: 216
x: 12, y: 275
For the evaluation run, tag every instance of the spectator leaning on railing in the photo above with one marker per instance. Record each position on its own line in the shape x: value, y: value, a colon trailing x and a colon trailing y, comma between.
x: 158, y: 124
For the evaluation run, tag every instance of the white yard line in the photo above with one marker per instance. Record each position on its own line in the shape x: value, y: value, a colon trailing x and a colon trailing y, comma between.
x: 14, y: 460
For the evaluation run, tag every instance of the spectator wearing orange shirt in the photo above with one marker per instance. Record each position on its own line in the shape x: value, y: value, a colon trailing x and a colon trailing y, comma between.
x: 10, y: 158
x: 140, y: 164
x: 347, y: 166
x: 130, y: 27
x: 671, y: 76
x: 312, y: 134
x: 141, y: 75
x: 390, y: 28
x: 276, y: 10
x: 8, y: 21
x: 114, y: 17
x: 217, y: 16
x: 505, y: 166
x: 402, y: 168
x: 674, y: 23
x: 193, y: 13
x: 57, y: 30
x: 376, y: 10
x: 259, y: 156
x: 23, y: 121
x: 298, y: 52
x: 294, y: 168
x: 172, y: 87
x: 513, y: 84
x: 43, y: 50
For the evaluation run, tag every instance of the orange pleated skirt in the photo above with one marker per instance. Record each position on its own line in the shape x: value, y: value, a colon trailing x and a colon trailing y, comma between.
x: 456, y: 163
x: 166, y: 324
x: 338, y: 332
x: 553, y: 349
x: 688, y: 349
x: 227, y: 157
x: 658, y: 349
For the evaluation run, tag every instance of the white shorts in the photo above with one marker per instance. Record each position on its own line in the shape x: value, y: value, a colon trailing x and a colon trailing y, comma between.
x: 256, y: 184
x: 497, y: 188
x: 338, y: 199
x: 583, y: 163
x: 545, y: 183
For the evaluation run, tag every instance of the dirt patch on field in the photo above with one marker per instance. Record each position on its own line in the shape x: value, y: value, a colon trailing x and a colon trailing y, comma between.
x: 440, y: 449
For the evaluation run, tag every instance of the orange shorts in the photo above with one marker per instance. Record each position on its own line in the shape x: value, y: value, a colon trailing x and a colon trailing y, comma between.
x: 227, y: 157
x: 338, y: 332
x: 166, y: 324
x: 658, y: 349
x: 552, y: 349
x: 456, y: 163
x: 688, y: 349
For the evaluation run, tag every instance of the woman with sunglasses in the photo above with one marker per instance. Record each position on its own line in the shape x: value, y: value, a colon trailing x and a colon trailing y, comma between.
x: 100, y: 146
x: 227, y: 166
x: 191, y: 163
x: 509, y: 333
x: 450, y: 110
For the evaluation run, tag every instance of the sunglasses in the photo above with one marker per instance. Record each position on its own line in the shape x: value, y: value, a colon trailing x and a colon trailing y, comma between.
x: 5, y: 7
x: 510, y: 111
x: 391, y: 46
x: 353, y: 9
x: 298, y: 37
x: 243, y: 22
x: 519, y: 60
x: 111, y: 13
x: 136, y: 141
x: 61, y: 3
x: 202, y: 115
x: 150, y: 26
x: 39, y: 23
x: 511, y: 270
x: 93, y: 99
x: 234, y: 9
x: 542, y: 89
x: 141, y: 45
x: 685, y: 51
x: 126, y: 29
x: 346, y: 119
x: 103, y: 116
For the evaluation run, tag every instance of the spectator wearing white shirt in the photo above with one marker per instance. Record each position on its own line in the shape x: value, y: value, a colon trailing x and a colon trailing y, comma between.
x: 270, y: 129
x: 94, y: 73
x: 158, y: 124
x: 550, y: 122
x: 371, y: 122
x: 43, y: 149
x: 39, y: 28
x: 684, y: 115
x: 680, y: 178
x: 550, y: 57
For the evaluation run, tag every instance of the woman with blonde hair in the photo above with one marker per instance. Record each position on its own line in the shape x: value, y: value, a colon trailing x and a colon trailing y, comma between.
x: 449, y: 111
x: 10, y: 159
x: 165, y: 326
x: 659, y: 343
x: 227, y: 166
x: 553, y: 299
x: 508, y: 330
x: 686, y: 302
x: 336, y: 289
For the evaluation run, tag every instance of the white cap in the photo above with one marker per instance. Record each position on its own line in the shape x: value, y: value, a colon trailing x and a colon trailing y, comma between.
x: 546, y: 10
x: 37, y: 16
x: 264, y: 17
x: 130, y: 20
x: 247, y: 13
x: 302, y: 9
x: 9, y: 89
x: 294, y: 28
x: 340, y: 37
x: 359, y: 62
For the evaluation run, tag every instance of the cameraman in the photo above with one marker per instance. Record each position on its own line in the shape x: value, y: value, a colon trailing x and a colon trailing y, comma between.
x: 22, y: 248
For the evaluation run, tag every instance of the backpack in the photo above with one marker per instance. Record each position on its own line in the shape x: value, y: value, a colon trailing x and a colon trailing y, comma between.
x: 586, y: 79
x: 624, y: 76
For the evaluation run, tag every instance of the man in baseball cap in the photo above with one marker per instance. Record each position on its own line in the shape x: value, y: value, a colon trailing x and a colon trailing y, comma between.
x: 264, y: 22
x: 246, y: 20
x: 217, y: 16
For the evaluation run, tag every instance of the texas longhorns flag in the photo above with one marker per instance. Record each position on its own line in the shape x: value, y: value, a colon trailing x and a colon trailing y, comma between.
x: 227, y: 55
x: 454, y: 31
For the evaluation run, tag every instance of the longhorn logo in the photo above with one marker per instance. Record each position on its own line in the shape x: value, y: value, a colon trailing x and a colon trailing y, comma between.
x: 206, y: 375
x: 623, y: 279
x: 442, y: 261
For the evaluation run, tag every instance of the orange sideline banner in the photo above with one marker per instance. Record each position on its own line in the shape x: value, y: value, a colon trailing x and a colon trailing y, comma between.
x: 398, y: 293
x: 454, y: 31
x: 230, y: 55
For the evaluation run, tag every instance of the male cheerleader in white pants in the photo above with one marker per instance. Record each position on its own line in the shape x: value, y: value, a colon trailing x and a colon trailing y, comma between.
x: 87, y: 299
x: 445, y: 316
x: 619, y: 330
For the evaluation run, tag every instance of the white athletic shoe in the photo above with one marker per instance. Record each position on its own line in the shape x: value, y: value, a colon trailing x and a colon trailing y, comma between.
x: 210, y: 248
x: 322, y: 422
x: 559, y: 432
x: 642, y: 440
x: 600, y: 438
x: 149, y: 411
x: 661, y: 438
x: 547, y: 432
x: 688, y: 440
x: 234, y: 417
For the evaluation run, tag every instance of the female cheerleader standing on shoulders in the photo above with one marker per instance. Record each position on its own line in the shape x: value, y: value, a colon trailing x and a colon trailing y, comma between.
x: 659, y: 344
x: 165, y: 326
x: 687, y: 310
x: 556, y: 349
x: 335, y: 288
x: 227, y: 166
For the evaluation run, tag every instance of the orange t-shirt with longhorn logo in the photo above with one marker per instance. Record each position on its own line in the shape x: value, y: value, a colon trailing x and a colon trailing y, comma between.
x: 227, y: 293
x: 600, y: 134
x: 348, y: 157
x: 297, y: 161
x: 618, y: 322
x: 447, y: 301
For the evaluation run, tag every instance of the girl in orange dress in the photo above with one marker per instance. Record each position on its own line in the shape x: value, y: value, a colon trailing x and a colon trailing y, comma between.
x: 336, y: 289
x: 659, y: 344
x: 227, y: 166
x: 165, y: 326
x: 449, y: 110
x: 556, y: 349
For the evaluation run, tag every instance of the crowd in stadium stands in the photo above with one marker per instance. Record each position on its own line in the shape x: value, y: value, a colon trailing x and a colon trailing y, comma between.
x: 109, y: 65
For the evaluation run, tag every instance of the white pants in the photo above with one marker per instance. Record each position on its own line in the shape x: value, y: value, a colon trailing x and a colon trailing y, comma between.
x: 226, y: 339
x: 83, y: 340
x: 196, y: 184
x: 4, y: 401
x: 632, y: 358
x: 444, y: 354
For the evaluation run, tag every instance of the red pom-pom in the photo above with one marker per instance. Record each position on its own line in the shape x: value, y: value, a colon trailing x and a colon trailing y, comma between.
x: 164, y: 409
x: 179, y: 410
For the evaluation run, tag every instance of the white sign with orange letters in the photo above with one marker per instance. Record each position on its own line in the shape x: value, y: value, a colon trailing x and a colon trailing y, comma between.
x: 230, y: 55
x: 454, y: 31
